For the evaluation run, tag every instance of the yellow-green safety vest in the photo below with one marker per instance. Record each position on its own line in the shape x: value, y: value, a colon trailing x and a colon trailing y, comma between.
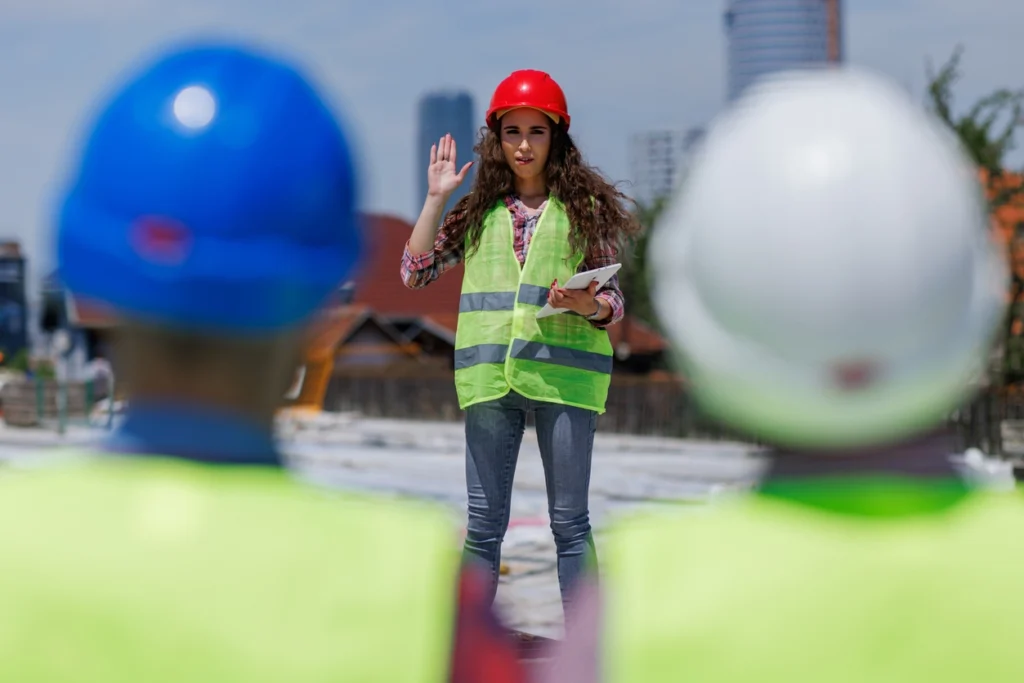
x: 161, y: 570
x: 501, y: 345
x: 775, y: 591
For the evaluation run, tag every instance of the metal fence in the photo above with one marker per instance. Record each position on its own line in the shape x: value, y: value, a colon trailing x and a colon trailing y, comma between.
x: 636, y: 405
x: 39, y: 402
x: 993, y: 422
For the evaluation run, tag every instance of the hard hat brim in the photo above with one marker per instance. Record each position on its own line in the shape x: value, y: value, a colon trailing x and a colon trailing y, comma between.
x: 554, y: 116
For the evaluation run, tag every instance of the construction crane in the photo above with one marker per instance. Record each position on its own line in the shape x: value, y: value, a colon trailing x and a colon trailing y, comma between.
x: 314, y: 375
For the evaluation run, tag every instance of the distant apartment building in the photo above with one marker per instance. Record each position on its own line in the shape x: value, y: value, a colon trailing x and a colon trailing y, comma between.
x: 658, y: 159
x: 440, y: 113
x: 767, y: 36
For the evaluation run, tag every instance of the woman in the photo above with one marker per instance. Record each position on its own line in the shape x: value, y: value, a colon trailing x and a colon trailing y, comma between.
x: 537, y: 214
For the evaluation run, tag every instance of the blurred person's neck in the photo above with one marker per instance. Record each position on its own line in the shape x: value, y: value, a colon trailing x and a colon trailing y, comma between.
x: 244, y: 377
x: 207, y: 391
x: 923, y: 456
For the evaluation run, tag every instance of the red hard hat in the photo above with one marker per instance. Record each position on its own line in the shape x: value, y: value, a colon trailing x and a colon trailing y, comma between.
x: 528, y: 88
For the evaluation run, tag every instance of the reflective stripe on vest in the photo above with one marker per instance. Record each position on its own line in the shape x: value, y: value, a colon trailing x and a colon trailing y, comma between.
x: 776, y: 591
x: 162, y: 570
x: 532, y: 295
x: 500, y: 344
x: 542, y: 353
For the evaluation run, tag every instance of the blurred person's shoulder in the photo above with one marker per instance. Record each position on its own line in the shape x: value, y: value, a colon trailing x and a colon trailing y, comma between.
x: 134, y: 482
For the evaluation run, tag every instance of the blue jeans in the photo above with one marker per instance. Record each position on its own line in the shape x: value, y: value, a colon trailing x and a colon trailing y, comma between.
x: 494, y: 432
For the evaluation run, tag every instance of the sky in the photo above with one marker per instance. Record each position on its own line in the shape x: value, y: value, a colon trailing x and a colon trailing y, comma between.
x: 626, y: 66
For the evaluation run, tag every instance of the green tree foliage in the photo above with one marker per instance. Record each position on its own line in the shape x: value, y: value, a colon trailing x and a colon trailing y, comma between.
x: 986, y: 130
x: 635, y: 278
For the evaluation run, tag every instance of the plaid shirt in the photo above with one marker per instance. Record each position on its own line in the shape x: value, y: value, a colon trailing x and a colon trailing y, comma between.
x: 419, y: 270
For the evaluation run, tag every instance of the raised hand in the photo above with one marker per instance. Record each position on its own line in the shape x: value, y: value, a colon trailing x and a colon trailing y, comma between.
x: 442, y: 178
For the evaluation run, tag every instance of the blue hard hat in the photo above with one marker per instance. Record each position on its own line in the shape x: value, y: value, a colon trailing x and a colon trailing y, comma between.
x: 216, y: 191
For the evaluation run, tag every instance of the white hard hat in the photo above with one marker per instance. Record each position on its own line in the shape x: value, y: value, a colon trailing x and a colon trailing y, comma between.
x: 826, y: 272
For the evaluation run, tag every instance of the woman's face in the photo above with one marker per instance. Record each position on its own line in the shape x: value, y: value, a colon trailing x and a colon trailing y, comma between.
x: 526, y: 141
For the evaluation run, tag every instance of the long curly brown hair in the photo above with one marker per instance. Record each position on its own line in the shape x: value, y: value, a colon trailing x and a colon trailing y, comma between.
x: 598, y: 212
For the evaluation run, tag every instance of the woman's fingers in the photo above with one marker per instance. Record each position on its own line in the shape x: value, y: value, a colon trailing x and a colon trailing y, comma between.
x: 447, y: 147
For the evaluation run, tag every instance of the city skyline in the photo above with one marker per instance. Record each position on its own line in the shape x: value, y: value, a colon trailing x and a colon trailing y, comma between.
x: 625, y: 68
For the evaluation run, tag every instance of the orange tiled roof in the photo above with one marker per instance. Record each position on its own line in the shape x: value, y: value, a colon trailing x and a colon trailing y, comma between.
x: 1009, y: 215
x: 379, y: 284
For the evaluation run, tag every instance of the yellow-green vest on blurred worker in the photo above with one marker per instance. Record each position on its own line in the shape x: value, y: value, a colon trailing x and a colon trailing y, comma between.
x: 501, y: 345
x: 882, y: 581
x: 162, y: 571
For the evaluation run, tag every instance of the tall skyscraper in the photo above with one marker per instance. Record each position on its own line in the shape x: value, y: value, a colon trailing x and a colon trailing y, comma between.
x: 766, y: 36
x: 441, y: 113
x: 13, y: 304
x: 657, y: 160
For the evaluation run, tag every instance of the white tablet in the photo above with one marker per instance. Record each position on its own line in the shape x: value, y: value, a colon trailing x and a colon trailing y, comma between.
x: 582, y: 281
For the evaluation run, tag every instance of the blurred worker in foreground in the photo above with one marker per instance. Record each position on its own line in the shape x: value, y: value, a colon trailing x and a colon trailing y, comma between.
x: 828, y: 280
x: 215, y: 210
